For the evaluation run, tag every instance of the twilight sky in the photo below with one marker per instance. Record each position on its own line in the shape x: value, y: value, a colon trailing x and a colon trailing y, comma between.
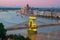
x: 35, y: 3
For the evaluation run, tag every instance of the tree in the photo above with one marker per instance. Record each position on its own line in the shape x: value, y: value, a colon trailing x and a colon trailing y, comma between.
x: 20, y: 37
x: 2, y: 31
x: 27, y: 38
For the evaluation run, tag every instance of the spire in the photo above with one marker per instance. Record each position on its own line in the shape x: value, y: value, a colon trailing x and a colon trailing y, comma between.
x: 28, y: 6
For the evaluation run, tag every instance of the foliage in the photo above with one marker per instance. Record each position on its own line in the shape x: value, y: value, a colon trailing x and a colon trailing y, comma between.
x: 2, y: 31
x: 19, y: 37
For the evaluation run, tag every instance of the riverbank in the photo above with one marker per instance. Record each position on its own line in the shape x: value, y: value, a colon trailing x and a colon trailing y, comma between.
x: 43, y: 16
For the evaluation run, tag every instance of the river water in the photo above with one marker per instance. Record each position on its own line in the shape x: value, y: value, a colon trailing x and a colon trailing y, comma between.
x: 12, y: 18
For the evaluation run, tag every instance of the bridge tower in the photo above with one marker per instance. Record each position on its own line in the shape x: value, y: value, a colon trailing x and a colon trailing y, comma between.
x: 32, y: 25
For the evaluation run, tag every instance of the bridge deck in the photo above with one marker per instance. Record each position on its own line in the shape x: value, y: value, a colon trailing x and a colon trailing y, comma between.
x: 25, y: 27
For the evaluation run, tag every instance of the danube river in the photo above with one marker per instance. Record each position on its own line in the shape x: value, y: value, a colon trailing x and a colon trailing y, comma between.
x: 12, y: 18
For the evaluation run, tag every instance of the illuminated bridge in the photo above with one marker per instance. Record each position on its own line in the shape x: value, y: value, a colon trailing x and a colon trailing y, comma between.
x: 38, y: 26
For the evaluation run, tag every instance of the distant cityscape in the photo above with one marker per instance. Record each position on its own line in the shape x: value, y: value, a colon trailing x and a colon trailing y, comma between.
x: 39, y: 9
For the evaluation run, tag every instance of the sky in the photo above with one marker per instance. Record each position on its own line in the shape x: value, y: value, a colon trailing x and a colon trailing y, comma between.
x: 34, y: 3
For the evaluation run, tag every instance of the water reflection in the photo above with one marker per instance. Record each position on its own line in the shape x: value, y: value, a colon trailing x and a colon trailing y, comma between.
x: 58, y: 21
